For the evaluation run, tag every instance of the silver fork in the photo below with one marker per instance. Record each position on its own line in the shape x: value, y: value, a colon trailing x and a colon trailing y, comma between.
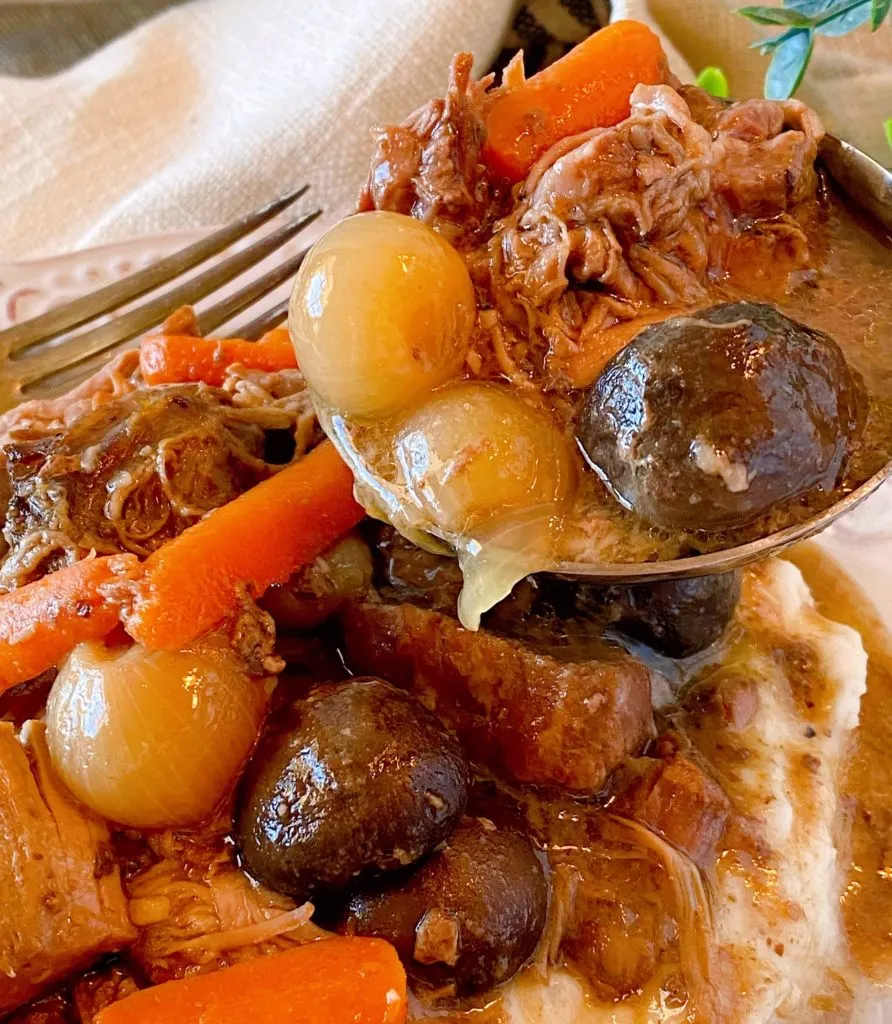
x: 66, y: 344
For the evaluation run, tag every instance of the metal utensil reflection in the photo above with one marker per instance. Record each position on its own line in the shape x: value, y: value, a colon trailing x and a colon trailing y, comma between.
x: 869, y: 186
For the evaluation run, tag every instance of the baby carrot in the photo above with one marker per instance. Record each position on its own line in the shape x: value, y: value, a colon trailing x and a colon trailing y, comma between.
x: 262, y: 537
x: 42, y: 621
x: 181, y: 358
x: 336, y: 981
x: 587, y: 88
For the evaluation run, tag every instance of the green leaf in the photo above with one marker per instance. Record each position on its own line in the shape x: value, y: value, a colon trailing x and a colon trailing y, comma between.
x: 775, y: 16
x: 788, y: 64
x: 887, y: 125
x: 766, y: 46
x: 714, y: 81
x: 846, y: 18
x: 813, y: 8
x: 878, y: 12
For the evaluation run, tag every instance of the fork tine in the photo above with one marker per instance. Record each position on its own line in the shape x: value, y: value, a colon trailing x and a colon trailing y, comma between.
x: 257, y: 327
x: 224, y: 311
x: 105, y: 300
x: 80, y: 348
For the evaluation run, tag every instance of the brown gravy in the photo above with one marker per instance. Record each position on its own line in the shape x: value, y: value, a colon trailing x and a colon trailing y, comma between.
x: 867, y: 902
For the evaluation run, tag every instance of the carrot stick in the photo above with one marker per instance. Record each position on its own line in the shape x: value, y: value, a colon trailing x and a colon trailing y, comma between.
x: 336, y: 981
x: 181, y: 358
x: 277, y: 334
x: 598, y: 348
x: 588, y: 88
x: 260, y: 538
x: 42, y: 621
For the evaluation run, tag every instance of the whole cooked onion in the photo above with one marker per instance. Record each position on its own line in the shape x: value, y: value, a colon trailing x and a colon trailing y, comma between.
x: 152, y: 739
x: 381, y: 313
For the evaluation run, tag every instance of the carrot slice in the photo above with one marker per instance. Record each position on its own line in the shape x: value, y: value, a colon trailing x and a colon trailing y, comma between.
x: 588, y: 88
x: 336, y: 981
x: 42, y: 621
x: 181, y: 358
x: 260, y: 538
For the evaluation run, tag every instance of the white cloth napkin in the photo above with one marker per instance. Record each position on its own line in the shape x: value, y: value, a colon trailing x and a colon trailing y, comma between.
x: 214, y: 107
x: 218, y: 105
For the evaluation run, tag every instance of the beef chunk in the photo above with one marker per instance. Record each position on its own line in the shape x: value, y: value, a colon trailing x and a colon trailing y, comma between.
x: 766, y: 155
x: 429, y: 166
x: 126, y: 476
x: 675, y: 798
x: 64, y: 906
x: 521, y: 713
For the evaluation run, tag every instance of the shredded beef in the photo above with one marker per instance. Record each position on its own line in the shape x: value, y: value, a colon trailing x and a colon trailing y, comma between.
x: 429, y: 166
x: 197, y: 911
x: 648, y: 212
x: 608, y: 223
x: 40, y: 417
x: 126, y: 476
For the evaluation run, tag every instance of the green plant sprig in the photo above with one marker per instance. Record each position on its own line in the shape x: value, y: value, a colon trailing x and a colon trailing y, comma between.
x: 803, y: 21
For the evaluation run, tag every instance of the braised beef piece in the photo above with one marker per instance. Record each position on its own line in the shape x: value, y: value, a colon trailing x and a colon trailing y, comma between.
x: 127, y: 476
x: 523, y: 714
x: 766, y: 155
x: 64, y: 906
x: 674, y: 797
x: 100, y: 988
x: 429, y: 166
x: 251, y: 633
x: 628, y: 908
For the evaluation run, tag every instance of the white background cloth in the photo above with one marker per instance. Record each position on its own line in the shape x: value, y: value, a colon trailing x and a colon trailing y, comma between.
x: 216, y: 106
x: 213, y: 107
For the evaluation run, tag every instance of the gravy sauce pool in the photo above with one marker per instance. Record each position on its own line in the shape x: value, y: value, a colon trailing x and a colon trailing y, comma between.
x: 848, y: 298
x: 867, y: 902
